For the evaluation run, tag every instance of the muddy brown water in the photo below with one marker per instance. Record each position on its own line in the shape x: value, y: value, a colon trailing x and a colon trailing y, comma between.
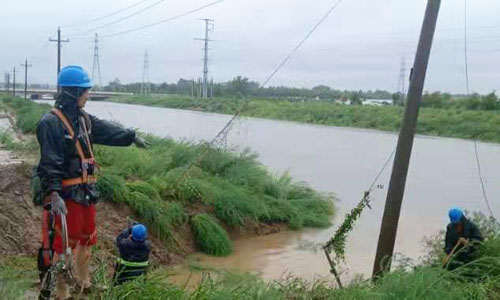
x: 341, y: 160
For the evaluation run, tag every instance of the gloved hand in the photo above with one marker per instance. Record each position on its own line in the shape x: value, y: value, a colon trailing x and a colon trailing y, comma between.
x: 57, y: 204
x: 140, y: 142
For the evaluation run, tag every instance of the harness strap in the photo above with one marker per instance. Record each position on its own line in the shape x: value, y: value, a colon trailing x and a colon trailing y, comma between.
x: 132, y: 263
x: 85, y: 178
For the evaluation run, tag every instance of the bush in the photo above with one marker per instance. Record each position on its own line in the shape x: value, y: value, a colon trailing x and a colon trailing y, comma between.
x: 210, y: 237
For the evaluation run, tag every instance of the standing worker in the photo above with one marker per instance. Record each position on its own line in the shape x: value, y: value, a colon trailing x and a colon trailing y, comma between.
x: 462, y: 237
x: 67, y: 172
x: 134, y: 254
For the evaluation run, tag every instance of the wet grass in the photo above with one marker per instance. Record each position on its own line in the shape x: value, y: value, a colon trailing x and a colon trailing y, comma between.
x: 210, y: 237
x: 448, y: 122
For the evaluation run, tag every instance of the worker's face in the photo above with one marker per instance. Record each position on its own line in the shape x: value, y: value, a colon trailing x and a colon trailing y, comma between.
x: 83, y: 99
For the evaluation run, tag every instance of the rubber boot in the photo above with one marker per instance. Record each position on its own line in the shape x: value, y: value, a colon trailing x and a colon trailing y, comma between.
x: 62, y: 289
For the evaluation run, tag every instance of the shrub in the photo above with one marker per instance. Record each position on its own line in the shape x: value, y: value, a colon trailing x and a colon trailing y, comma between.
x: 210, y: 237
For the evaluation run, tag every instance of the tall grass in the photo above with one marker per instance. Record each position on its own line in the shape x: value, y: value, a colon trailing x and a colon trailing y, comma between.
x: 210, y: 237
x: 163, y: 187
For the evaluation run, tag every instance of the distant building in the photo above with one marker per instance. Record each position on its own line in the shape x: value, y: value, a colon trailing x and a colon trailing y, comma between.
x: 377, y: 102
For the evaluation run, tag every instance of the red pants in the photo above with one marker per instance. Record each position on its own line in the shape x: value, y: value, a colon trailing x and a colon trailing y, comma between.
x: 81, y: 226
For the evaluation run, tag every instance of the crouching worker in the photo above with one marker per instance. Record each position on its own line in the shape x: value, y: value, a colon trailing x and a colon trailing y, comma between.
x: 134, y: 254
x: 461, y: 241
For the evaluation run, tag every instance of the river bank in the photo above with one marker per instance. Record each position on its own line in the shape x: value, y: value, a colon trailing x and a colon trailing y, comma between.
x: 446, y: 122
x: 193, y: 197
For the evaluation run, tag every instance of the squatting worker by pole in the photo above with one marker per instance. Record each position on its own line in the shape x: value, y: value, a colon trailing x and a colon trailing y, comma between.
x: 462, y: 237
x: 134, y: 253
x: 67, y: 169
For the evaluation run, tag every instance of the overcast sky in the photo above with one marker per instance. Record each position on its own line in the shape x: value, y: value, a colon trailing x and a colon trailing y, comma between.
x: 359, y: 46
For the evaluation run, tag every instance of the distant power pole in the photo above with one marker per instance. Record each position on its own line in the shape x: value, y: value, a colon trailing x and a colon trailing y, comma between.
x: 59, y: 41
x: 392, y: 209
x: 7, y: 82
x: 208, y: 23
x: 211, y: 88
x: 14, y: 82
x: 26, y: 66
x: 96, y: 66
x: 402, y: 81
x: 145, y: 85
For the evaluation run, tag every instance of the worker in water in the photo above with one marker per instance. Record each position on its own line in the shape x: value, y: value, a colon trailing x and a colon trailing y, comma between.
x: 67, y: 172
x: 134, y: 253
x: 461, y: 241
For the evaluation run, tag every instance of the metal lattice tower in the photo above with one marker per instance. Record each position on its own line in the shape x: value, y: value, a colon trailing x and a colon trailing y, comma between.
x: 96, y: 66
x: 145, y: 84
x: 209, y: 26
x: 402, y: 80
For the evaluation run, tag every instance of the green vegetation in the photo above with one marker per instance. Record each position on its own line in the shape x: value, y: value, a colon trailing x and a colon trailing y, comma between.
x: 210, y: 237
x: 166, y: 190
x: 466, y: 118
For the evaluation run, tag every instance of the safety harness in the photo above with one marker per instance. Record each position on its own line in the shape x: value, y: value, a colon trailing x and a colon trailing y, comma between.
x: 85, y: 162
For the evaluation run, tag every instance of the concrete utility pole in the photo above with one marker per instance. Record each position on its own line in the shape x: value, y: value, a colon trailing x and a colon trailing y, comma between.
x: 59, y: 41
x: 14, y: 82
x: 96, y: 66
x: 26, y: 66
x: 388, y: 230
x: 208, y: 23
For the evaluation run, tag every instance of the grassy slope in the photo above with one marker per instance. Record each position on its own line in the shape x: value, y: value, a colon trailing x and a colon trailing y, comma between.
x: 166, y: 190
x: 452, y: 122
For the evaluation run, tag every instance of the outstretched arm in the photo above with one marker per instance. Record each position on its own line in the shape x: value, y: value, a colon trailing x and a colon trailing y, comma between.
x: 110, y: 134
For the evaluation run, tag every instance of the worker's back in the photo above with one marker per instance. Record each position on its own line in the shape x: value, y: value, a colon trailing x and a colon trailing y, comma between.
x: 134, y: 254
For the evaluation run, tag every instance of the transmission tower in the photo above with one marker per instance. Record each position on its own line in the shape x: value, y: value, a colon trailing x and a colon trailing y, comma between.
x: 96, y: 66
x: 402, y: 81
x: 209, y: 25
x: 145, y: 85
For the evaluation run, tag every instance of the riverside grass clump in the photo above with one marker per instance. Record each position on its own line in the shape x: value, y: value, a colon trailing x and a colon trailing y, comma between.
x: 175, y: 184
x: 455, y: 121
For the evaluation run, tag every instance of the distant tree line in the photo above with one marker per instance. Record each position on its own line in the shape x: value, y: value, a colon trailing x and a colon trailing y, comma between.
x: 243, y: 87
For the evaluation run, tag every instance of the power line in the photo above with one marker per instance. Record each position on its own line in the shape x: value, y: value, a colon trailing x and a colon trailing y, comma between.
x: 164, y: 20
x: 480, y: 174
x: 121, y: 19
x: 301, y: 42
x: 109, y: 15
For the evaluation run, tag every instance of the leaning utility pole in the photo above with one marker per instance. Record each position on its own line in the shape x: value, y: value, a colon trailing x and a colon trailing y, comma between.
x: 26, y: 66
x: 59, y: 41
x: 204, y: 90
x: 96, y: 65
x: 388, y: 230
x: 145, y: 86
x: 14, y: 82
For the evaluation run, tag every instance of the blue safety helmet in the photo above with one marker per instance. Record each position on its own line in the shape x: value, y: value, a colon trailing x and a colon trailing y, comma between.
x: 139, y: 233
x: 455, y: 215
x: 74, y: 76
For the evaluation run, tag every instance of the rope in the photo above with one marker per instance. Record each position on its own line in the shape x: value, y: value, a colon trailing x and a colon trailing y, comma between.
x: 381, y: 170
x: 483, y: 188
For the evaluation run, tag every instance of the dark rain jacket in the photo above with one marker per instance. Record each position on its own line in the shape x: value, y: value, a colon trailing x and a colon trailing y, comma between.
x: 130, y: 251
x: 471, y: 232
x: 59, y: 159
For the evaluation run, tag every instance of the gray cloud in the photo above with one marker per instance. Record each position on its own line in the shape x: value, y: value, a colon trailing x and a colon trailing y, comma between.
x: 358, y: 47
